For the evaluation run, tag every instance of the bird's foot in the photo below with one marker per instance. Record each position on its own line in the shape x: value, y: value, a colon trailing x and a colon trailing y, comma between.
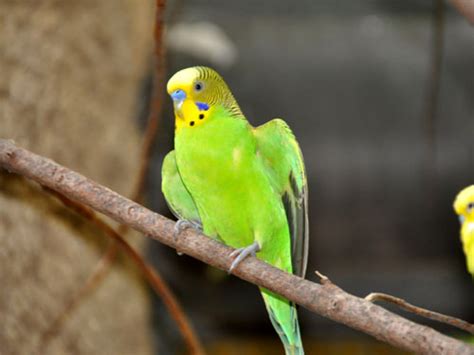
x: 241, y: 253
x: 183, y: 224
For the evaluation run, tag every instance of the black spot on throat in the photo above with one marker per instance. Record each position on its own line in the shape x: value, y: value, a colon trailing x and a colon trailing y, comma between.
x: 191, y: 123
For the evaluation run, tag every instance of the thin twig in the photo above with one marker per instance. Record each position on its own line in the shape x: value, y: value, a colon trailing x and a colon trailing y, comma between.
x: 156, y: 102
x: 433, y: 87
x: 327, y: 300
x: 98, y: 274
x: 153, y: 277
x: 466, y: 8
x: 323, y: 278
x: 155, y: 111
x: 442, y: 318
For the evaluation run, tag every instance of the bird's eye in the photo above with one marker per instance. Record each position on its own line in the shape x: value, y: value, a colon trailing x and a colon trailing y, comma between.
x: 198, y: 86
x: 470, y: 207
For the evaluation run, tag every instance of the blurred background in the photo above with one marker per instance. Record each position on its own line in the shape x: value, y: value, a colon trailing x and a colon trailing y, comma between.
x: 379, y: 93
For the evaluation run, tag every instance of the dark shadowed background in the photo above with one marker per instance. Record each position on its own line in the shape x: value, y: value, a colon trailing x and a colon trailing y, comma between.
x: 352, y: 80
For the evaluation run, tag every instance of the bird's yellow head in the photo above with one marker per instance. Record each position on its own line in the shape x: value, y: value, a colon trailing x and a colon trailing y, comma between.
x: 464, y: 204
x: 196, y: 93
x: 464, y: 207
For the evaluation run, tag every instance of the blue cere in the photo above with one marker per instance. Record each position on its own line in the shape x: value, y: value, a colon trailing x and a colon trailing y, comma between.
x: 202, y: 106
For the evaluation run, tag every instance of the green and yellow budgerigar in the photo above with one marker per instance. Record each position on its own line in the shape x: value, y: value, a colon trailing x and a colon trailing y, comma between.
x: 464, y: 207
x: 244, y: 186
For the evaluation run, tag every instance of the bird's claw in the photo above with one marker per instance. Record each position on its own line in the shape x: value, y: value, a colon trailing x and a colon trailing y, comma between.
x: 241, y: 253
x: 183, y: 224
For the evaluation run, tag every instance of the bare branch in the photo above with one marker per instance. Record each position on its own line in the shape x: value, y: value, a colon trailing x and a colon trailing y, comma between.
x: 433, y: 88
x: 153, y: 277
x: 442, y: 318
x: 466, y: 8
x: 98, y: 274
x: 327, y: 300
x: 156, y: 102
x: 323, y: 279
x: 155, y: 112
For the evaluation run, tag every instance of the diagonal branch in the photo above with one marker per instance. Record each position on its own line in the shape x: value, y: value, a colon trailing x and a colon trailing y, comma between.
x: 442, y: 318
x: 153, y: 277
x: 327, y: 300
x: 100, y: 271
x: 102, y: 268
x: 156, y: 102
x: 465, y: 8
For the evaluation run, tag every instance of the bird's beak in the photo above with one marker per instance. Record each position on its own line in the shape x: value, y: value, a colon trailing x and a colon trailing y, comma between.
x: 178, y: 97
x: 461, y: 218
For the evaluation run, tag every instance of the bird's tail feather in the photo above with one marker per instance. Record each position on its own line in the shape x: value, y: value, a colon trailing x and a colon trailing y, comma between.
x: 289, y: 333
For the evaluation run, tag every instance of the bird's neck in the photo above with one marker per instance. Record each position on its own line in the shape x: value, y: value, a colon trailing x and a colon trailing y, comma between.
x: 193, y: 114
x: 214, y: 138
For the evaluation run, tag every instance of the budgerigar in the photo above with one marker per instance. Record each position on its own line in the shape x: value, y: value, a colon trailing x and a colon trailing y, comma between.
x: 244, y: 186
x: 464, y: 207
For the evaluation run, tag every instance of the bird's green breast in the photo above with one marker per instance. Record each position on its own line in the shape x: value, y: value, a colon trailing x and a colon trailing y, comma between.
x: 221, y: 169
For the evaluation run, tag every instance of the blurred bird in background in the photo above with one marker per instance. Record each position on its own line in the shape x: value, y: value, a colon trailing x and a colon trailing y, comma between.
x: 464, y: 207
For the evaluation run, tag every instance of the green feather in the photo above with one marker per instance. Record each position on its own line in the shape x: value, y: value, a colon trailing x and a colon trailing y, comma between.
x: 177, y: 196
x: 244, y: 184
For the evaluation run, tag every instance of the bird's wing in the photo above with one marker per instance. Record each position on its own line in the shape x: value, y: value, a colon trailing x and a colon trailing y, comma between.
x: 282, y: 157
x: 177, y: 196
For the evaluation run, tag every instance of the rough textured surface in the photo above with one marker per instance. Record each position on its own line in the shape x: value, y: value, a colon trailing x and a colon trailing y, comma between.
x: 326, y: 299
x: 70, y: 77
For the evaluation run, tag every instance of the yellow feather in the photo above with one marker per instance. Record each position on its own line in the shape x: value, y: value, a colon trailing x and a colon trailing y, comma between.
x: 183, y: 80
x: 464, y: 207
x: 213, y: 91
